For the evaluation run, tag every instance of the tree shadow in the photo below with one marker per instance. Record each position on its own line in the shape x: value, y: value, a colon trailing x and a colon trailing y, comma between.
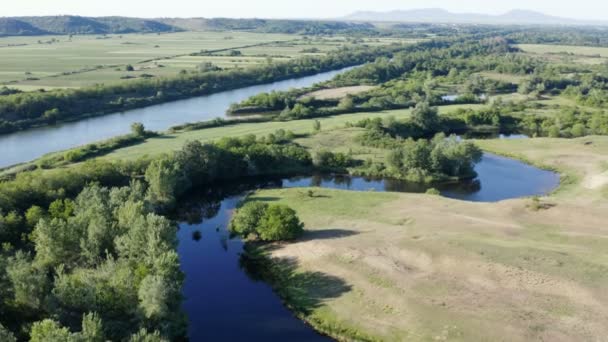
x: 263, y: 199
x: 302, y: 291
x: 327, y: 234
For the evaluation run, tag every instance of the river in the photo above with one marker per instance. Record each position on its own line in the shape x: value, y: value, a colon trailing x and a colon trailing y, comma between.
x: 28, y: 145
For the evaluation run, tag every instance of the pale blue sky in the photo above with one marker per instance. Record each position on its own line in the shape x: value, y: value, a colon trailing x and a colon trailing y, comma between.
x: 583, y: 9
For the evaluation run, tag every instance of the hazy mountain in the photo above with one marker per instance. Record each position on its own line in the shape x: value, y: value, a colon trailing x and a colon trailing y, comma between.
x: 14, y: 27
x: 437, y: 15
x: 267, y: 25
x: 70, y: 24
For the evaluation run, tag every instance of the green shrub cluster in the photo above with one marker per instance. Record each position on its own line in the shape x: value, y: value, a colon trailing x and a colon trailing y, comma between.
x: 274, y: 222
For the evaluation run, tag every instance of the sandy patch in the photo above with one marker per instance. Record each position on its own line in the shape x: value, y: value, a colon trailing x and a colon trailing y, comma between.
x: 337, y: 93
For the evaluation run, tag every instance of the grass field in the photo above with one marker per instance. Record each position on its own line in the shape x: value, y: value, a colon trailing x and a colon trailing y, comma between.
x: 60, y: 61
x: 171, y: 142
x: 567, y: 53
x: 576, y: 50
x: 421, y: 267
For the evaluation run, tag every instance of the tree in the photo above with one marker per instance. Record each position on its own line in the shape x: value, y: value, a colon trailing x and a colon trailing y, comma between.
x: 199, y: 162
x: 61, y: 209
x: 49, y: 330
x: 57, y: 241
x: 247, y: 218
x: 425, y: 116
x: 554, y: 131
x: 149, y: 238
x: 28, y: 283
x: 33, y: 215
x: 327, y: 160
x: 138, y: 129
x: 316, y: 126
x: 346, y: 103
x: 92, y: 328
x: 279, y: 222
x: 6, y: 335
x: 578, y: 130
x: 10, y: 226
x: 144, y: 336
x: 154, y: 295
x: 166, y: 180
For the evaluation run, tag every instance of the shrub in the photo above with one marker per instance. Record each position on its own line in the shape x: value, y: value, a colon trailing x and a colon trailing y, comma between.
x: 279, y: 222
x: 269, y: 222
x: 330, y: 161
x: 247, y: 218
x: 138, y: 129
x: 433, y: 191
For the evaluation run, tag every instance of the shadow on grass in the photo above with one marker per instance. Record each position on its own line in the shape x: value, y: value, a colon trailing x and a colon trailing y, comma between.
x: 302, y: 291
x: 327, y: 234
x: 262, y: 199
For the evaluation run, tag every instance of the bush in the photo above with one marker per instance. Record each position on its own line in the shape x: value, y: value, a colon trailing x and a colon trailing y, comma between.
x: 247, y: 218
x: 269, y: 222
x: 279, y: 222
x: 330, y: 161
x: 433, y: 191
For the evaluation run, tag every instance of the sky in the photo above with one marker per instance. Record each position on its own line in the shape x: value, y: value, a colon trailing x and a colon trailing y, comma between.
x: 579, y: 9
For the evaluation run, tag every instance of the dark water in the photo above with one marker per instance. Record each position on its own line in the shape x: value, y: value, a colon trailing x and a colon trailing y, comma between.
x: 224, y: 303
x: 28, y: 145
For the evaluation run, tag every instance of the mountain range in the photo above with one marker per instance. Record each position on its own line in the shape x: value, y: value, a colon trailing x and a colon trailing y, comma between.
x: 437, y: 15
x: 70, y: 24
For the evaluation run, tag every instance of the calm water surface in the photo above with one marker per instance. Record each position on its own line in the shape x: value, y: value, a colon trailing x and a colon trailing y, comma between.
x: 28, y: 145
x: 224, y: 303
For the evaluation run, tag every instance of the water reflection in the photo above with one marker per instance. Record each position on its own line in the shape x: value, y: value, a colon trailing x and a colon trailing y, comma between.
x: 225, y: 297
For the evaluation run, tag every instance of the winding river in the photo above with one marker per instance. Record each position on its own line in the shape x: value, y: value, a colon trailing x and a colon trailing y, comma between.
x: 28, y: 145
x: 224, y: 303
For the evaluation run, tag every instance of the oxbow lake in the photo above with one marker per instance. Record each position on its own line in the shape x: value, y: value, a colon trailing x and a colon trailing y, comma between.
x: 224, y: 302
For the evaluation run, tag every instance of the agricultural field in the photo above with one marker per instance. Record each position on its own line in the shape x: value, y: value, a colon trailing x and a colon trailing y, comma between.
x: 82, y: 60
x: 566, y: 53
x: 423, y: 267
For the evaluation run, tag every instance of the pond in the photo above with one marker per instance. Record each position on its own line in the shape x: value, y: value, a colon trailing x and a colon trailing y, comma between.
x: 224, y: 303
x: 28, y: 145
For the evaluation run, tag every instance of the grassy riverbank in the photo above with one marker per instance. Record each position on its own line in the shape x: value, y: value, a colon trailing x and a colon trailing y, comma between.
x: 420, y: 267
x: 174, y: 141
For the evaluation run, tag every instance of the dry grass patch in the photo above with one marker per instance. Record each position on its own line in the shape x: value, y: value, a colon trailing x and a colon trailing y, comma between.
x: 338, y: 93
x: 424, y: 267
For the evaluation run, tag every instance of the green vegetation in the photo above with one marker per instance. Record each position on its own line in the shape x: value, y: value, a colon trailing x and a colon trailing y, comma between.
x: 23, y: 110
x: 266, y: 222
x: 392, y: 250
x: 88, y: 254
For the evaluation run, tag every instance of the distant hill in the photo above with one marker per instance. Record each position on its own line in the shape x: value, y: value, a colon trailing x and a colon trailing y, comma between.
x: 14, y: 27
x: 437, y: 15
x: 267, y: 25
x: 69, y: 24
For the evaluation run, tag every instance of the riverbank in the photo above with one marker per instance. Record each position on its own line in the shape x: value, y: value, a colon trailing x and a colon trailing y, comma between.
x: 431, y: 268
x: 28, y: 145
